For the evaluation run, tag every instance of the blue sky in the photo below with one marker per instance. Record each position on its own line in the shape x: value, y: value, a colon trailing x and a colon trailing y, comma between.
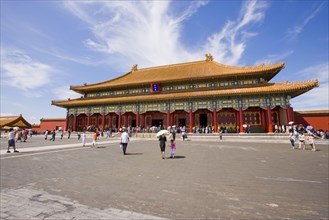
x: 46, y: 46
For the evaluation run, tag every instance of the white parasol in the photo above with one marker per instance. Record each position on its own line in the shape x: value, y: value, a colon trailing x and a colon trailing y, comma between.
x: 291, y: 122
x: 162, y: 132
x: 15, y: 128
x: 244, y: 125
x: 309, y: 127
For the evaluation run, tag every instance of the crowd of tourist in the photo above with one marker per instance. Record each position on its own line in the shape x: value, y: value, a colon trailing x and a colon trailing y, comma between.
x: 297, y: 133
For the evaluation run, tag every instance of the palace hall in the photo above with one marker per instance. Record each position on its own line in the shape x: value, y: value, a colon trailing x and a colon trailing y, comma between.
x: 192, y: 94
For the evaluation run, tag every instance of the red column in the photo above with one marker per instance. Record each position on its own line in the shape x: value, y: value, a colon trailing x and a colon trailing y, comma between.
x: 88, y: 119
x: 75, y: 123
x: 237, y: 120
x: 137, y: 121
x: 191, y: 120
x: 67, y: 122
x: 241, y: 119
x: 292, y: 114
x: 103, y: 121
x: 288, y: 113
x: 119, y: 121
x: 215, y: 123
x: 269, y: 119
x: 263, y: 119
x: 168, y: 118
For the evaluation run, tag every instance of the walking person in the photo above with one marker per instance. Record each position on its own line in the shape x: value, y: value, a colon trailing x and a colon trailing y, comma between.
x: 173, y: 148
x: 11, y: 140
x: 62, y: 134
x: 311, y: 139
x: 46, y: 134
x: 94, y: 138
x: 220, y: 133
x: 53, y: 136
x: 30, y: 133
x: 25, y: 132
x: 79, y: 136
x: 19, y: 136
x: 124, y: 140
x: 292, y: 138
x: 83, y: 138
x: 163, y: 140
x: 301, y: 138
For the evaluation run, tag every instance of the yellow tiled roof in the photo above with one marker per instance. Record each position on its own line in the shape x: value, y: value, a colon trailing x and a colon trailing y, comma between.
x: 313, y: 112
x: 14, y: 121
x: 293, y: 89
x: 52, y: 119
x: 179, y: 72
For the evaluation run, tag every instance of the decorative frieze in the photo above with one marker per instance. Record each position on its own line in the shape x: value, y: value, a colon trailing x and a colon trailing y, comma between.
x: 194, y: 105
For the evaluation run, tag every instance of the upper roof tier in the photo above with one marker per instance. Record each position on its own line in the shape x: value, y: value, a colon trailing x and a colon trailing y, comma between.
x: 179, y: 72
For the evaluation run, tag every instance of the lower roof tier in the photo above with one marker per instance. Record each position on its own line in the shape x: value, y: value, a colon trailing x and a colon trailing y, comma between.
x: 292, y: 89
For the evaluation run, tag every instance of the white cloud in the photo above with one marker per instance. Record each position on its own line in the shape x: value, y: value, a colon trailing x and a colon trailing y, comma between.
x: 298, y: 28
x: 63, y: 92
x: 22, y: 72
x: 317, y: 98
x: 149, y: 32
x: 228, y: 45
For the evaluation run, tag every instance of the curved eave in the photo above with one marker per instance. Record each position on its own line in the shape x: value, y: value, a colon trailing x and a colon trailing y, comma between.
x: 292, y: 89
x: 211, y: 69
x: 19, y: 121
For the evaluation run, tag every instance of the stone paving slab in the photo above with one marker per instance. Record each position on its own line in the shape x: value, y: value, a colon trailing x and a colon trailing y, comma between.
x: 28, y: 203
x: 207, y: 180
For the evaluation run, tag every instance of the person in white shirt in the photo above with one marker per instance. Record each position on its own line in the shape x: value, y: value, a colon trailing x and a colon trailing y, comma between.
x: 11, y: 140
x: 124, y: 140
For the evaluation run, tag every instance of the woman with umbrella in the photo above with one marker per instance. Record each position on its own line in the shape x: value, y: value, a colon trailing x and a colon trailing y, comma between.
x: 162, y: 138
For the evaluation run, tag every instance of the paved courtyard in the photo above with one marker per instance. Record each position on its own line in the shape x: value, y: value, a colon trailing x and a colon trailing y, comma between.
x: 208, y: 179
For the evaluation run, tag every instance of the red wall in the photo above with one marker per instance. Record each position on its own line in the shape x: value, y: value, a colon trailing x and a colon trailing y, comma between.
x: 50, y: 124
x: 318, y: 121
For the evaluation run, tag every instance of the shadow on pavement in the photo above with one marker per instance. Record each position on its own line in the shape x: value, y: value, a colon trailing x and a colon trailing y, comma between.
x: 134, y: 153
x: 177, y: 157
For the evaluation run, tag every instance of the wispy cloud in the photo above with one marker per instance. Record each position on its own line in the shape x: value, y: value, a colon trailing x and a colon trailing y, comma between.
x: 319, y: 71
x: 229, y: 44
x: 274, y: 58
x: 22, y: 72
x: 63, y: 55
x: 149, y: 32
x: 298, y: 28
x: 317, y: 97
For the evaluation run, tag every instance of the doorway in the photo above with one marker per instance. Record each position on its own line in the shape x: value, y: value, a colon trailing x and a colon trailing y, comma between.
x: 203, y: 120
x: 181, y: 122
x: 157, y: 122
x: 133, y: 123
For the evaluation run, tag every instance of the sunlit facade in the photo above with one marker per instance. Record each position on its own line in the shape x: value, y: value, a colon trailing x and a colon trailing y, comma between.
x: 193, y: 94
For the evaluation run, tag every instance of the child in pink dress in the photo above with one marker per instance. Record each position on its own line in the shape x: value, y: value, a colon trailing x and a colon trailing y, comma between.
x: 173, y: 148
